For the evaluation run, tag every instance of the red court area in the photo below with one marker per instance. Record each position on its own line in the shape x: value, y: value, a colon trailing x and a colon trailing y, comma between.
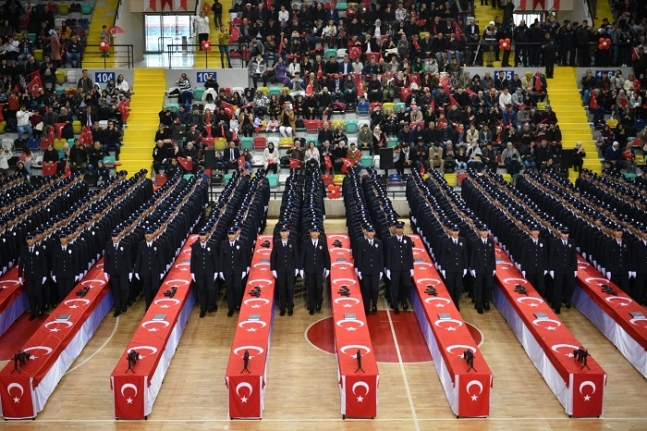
x: 15, y: 337
x: 411, y: 342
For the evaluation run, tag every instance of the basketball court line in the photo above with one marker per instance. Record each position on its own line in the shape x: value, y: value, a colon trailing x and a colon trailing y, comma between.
x: 404, y: 373
x: 452, y: 419
x: 112, y: 334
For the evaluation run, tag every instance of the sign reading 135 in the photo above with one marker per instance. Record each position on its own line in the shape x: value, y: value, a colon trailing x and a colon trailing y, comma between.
x: 104, y: 77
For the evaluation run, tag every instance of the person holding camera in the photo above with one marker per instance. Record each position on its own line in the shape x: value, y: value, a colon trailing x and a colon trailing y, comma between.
x: 23, y: 123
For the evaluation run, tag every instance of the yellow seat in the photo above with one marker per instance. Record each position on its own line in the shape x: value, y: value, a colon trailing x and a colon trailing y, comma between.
x: 220, y: 144
x: 541, y: 106
x: 265, y: 90
x: 335, y: 123
x: 338, y: 179
x: 451, y: 179
x: 507, y: 177
x: 58, y: 143
x: 388, y: 106
x: 285, y: 142
x: 76, y: 127
x: 423, y: 34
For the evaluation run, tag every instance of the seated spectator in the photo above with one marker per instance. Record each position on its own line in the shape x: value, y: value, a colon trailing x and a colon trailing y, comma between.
x: 405, y: 159
x: 474, y: 156
x: 78, y: 157
x: 95, y: 154
x: 287, y: 122
x: 271, y: 158
x: 24, y: 126
x: 112, y: 139
x: 578, y: 157
x: 161, y: 154
x: 231, y: 156
x: 436, y: 157
x: 511, y: 159
x: 614, y: 156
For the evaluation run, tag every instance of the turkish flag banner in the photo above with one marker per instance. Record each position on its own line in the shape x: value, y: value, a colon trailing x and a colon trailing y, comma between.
x: 474, y: 394
x: 179, y: 5
x: 129, y: 397
x: 245, y: 395
x: 166, y: 5
x: 361, y: 395
x: 16, y: 395
x: 587, y: 390
x: 150, y: 5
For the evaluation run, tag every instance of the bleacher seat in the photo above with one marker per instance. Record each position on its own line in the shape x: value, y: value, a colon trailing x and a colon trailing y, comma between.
x: 260, y: 142
x: 86, y: 9
x: 60, y: 76
x: 285, y: 142
x: 220, y: 144
x: 392, y: 142
x: 171, y: 106
x: 399, y: 105
x: 367, y: 161
x: 330, y: 52
x: 33, y: 144
x: 239, y: 90
x: 388, y: 106
x: 228, y: 178
x: 274, y: 90
x: 72, y: 76
x: 312, y: 126
x: 38, y: 54
x: 264, y: 90
x: 76, y: 127
x: 338, y: 179
x: 247, y: 143
x: 273, y: 180
x: 363, y: 108
x: 351, y: 126
x: 198, y: 92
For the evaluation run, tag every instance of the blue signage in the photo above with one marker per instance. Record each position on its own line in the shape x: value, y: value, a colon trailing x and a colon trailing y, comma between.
x: 508, y: 74
x: 598, y: 73
x: 201, y: 77
x: 104, y: 77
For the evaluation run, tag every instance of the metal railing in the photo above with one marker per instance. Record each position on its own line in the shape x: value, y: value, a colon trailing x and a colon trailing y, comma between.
x: 122, y: 55
x: 212, y: 55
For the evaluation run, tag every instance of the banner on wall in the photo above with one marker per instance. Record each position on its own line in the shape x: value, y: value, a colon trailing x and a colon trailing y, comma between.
x: 150, y: 5
x: 182, y: 4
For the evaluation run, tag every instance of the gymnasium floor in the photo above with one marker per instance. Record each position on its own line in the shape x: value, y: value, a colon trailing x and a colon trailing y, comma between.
x: 302, y: 391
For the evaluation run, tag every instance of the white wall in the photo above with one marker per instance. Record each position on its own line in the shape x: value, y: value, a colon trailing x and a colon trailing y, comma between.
x: 133, y: 25
x: 236, y: 77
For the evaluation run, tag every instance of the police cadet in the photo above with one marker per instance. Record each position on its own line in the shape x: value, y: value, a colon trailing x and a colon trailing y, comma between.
x: 534, y: 260
x: 369, y: 264
x: 283, y: 263
x: 482, y: 268
x: 148, y: 266
x: 618, y: 260
x: 315, y: 264
x: 64, y: 266
x: 639, y: 269
x: 117, y: 266
x: 233, y: 268
x: 399, y: 267
x: 453, y: 261
x: 32, y: 268
x: 204, y: 262
x: 563, y: 269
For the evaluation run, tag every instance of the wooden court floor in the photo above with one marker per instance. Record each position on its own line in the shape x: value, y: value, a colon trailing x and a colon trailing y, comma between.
x: 302, y: 391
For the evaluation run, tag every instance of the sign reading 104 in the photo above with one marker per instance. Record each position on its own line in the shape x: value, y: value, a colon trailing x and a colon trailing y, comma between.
x: 104, y: 77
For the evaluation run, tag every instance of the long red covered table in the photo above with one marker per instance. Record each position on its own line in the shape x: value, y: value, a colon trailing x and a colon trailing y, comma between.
x: 54, y: 347
x: 358, y: 388
x: 467, y: 390
x: 247, y: 387
x: 548, y: 343
x: 13, y: 299
x: 156, y: 340
x: 617, y: 316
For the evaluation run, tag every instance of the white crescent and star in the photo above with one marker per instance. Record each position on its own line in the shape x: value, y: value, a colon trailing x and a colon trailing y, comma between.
x: 74, y: 301
x: 624, y: 301
x: 247, y: 322
x: 151, y: 349
x: 584, y: 384
x: 344, y: 281
x: 341, y: 323
x: 474, y: 383
x: 355, y: 347
x: 173, y: 301
x: 259, y: 350
x: 556, y: 347
x: 16, y: 400
x: 259, y: 281
x: 176, y: 281
x: 533, y: 302
x: 442, y: 301
x: 67, y: 324
x: 264, y: 301
x: 348, y: 264
x: 602, y: 280
x: 439, y: 323
x: 148, y: 322
x: 450, y: 349
x: 244, y: 385
x: 426, y: 281
x: 360, y: 384
x: 47, y: 350
x: 354, y: 301
x: 515, y: 280
x: 85, y: 283
x: 550, y: 328
x: 128, y: 386
x: 636, y: 319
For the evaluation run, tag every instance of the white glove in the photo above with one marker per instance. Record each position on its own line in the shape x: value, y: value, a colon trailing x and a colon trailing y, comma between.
x: 444, y: 273
x: 518, y: 266
x: 380, y: 276
x: 44, y: 280
x: 215, y: 276
x: 301, y: 273
x: 357, y: 272
x: 54, y: 278
x: 137, y: 275
x: 523, y: 273
x: 19, y: 280
x: 632, y: 274
x: 326, y: 273
x: 221, y: 275
x: 493, y: 273
x: 411, y: 273
x: 193, y: 277
x: 575, y: 274
x: 545, y: 272
x: 275, y: 274
x: 106, y: 276
x: 464, y: 272
x: 242, y: 275
x: 388, y: 274
x: 296, y: 272
x: 609, y: 275
x: 130, y: 276
x: 473, y: 272
x: 584, y: 255
x: 552, y: 274
x: 161, y: 275
x: 359, y: 275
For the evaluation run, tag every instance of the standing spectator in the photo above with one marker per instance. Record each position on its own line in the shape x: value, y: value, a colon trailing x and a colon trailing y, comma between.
x: 256, y: 70
x: 85, y: 83
x: 201, y: 24
x: 578, y: 157
x: 216, y: 8
x: 23, y: 123
x: 223, y: 45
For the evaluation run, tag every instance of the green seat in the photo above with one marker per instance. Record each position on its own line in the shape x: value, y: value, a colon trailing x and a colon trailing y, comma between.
x: 70, y: 141
x: 108, y: 160
x: 86, y: 9
x: 399, y: 105
x: 187, y: 177
x: 228, y: 178
x: 60, y: 90
x: 247, y: 143
x: 630, y: 176
x: 175, y: 106
x: 351, y: 126
x: 31, y: 37
x: 342, y: 6
x: 275, y: 90
x: 392, y: 142
x: 198, y: 92
x: 367, y: 161
x: 331, y: 53
x: 273, y: 179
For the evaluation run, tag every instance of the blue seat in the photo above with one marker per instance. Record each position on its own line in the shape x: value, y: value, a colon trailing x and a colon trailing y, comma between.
x: 363, y: 108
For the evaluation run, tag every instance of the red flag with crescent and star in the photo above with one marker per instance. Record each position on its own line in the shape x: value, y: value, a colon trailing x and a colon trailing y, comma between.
x: 587, y: 390
x: 245, y: 396
x: 34, y: 85
x: 128, y: 391
x: 474, y: 394
x: 360, y: 392
x: 538, y: 82
x: 16, y: 396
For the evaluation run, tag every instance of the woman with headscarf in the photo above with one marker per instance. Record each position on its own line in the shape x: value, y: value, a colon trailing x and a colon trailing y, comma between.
x: 271, y: 158
x: 55, y: 48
